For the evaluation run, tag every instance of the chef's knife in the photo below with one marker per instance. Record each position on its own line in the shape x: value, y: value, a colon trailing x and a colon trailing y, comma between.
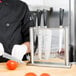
x: 8, y: 56
x: 38, y: 38
x: 38, y: 22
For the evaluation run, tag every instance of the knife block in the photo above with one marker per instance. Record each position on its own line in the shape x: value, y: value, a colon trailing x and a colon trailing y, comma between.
x: 49, y: 46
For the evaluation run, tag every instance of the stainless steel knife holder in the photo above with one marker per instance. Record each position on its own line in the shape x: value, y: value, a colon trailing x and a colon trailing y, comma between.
x: 49, y: 46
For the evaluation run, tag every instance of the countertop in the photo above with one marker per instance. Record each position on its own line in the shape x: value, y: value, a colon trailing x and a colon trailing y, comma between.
x: 22, y: 69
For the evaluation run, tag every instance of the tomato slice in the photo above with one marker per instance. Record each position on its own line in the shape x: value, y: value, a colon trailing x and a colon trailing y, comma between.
x: 30, y: 74
x: 45, y: 74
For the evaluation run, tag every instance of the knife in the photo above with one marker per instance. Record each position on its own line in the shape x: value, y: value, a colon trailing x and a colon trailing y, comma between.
x: 61, y: 28
x: 38, y: 42
x: 38, y: 22
x: 8, y: 56
x: 35, y: 35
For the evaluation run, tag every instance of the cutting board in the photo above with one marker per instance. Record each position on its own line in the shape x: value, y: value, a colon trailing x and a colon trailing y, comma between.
x: 22, y: 69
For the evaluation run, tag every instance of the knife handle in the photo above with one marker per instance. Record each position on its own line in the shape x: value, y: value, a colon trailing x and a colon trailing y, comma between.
x: 61, y: 15
x: 39, y: 17
x: 45, y: 17
x: 34, y: 18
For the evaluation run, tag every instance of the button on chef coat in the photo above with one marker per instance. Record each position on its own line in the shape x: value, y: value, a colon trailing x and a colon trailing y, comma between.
x: 14, y: 23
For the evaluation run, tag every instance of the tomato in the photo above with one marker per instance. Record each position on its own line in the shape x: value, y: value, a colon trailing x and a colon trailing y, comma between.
x: 11, y: 65
x: 45, y: 74
x: 30, y: 74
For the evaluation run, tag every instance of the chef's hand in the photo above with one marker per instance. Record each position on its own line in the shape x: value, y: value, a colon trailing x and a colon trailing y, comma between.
x: 19, y: 51
x: 1, y: 49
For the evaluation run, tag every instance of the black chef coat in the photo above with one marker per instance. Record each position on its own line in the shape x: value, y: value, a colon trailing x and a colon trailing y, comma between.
x: 15, y: 21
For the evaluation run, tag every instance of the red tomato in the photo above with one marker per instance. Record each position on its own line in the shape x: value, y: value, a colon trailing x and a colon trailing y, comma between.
x: 11, y: 65
x: 45, y: 74
x: 30, y: 74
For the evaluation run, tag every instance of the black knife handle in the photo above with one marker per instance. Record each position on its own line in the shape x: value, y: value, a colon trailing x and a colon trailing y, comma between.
x: 34, y: 18
x: 39, y: 17
x: 61, y: 15
x: 45, y: 12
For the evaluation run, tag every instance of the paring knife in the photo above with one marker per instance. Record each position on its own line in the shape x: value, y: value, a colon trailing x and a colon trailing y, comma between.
x: 61, y: 14
x: 8, y: 56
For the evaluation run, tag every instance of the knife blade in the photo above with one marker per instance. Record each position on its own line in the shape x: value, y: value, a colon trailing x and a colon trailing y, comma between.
x: 8, y: 56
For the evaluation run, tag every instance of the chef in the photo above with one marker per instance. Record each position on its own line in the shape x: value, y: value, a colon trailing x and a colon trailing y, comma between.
x: 15, y: 21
